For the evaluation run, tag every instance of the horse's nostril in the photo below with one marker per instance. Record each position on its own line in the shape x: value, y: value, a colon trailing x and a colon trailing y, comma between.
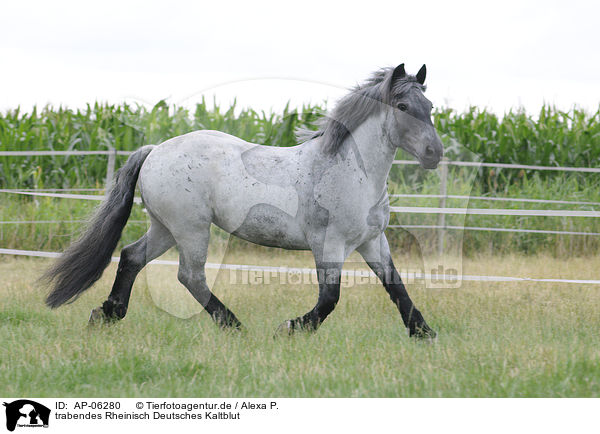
x: 429, y: 151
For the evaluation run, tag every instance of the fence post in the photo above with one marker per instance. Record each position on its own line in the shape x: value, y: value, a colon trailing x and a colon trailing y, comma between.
x: 110, y: 168
x: 442, y: 204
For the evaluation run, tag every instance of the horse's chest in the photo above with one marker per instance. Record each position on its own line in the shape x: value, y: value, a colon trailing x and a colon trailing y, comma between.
x: 361, y: 223
x: 379, y: 217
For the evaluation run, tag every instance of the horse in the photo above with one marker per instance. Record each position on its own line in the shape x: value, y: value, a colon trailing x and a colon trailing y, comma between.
x: 327, y: 194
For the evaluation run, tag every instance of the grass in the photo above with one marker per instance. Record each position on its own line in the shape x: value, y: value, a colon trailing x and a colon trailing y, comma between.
x: 495, y: 339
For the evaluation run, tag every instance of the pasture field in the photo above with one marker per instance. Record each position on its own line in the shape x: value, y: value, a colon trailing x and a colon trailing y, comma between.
x: 521, y: 339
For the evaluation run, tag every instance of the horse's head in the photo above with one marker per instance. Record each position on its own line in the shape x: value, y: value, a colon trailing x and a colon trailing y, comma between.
x: 408, y: 119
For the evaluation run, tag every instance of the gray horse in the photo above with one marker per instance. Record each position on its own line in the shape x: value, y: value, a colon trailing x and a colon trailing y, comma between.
x: 328, y: 194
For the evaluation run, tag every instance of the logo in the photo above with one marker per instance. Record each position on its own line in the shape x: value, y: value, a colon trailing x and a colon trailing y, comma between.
x: 26, y: 413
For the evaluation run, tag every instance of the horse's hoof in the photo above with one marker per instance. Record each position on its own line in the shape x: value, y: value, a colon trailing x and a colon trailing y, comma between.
x: 285, y: 329
x: 292, y: 326
x: 233, y: 328
x: 423, y: 333
x: 97, y: 317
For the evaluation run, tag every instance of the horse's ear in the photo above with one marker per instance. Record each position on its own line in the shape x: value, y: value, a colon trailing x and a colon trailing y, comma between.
x: 421, y: 74
x: 398, y: 73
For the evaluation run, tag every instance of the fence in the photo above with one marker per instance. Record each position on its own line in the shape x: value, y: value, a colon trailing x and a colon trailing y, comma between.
x: 361, y: 273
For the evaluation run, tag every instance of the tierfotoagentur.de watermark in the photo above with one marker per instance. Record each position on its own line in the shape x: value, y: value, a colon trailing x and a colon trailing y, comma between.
x: 247, y: 275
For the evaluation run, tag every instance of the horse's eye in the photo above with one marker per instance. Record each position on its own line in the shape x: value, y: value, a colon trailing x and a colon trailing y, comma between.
x: 402, y: 106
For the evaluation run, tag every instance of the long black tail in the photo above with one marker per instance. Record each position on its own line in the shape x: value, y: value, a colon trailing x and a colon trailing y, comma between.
x: 84, y: 261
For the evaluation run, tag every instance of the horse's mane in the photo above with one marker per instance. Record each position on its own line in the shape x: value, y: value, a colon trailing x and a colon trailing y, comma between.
x: 354, y: 108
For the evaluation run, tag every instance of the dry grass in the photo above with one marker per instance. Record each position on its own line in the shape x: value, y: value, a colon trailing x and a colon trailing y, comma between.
x: 495, y: 339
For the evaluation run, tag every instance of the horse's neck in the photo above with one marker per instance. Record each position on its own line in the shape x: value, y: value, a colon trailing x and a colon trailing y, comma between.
x: 372, y: 150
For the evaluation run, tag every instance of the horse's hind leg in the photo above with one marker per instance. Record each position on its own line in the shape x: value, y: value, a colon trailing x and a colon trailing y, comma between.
x: 377, y: 254
x: 192, y: 258
x: 134, y: 257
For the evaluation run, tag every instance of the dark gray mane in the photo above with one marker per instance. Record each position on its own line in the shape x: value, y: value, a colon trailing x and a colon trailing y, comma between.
x: 353, y: 109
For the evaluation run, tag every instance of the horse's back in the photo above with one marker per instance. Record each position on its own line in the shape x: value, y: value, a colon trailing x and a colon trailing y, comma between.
x: 210, y: 176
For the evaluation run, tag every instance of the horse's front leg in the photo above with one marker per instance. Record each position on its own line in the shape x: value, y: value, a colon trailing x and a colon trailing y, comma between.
x: 377, y: 254
x: 328, y: 274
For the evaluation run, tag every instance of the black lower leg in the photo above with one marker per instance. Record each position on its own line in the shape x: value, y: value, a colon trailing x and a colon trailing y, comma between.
x: 115, y: 307
x: 329, y: 294
x: 193, y: 277
x: 412, y: 318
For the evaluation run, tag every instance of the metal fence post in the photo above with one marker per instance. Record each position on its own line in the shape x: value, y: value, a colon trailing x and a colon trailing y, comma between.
x: 110, y: 168
x: 442, y: 204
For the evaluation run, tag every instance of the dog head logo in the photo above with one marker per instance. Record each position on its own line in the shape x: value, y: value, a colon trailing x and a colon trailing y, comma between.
x: 26, y: 413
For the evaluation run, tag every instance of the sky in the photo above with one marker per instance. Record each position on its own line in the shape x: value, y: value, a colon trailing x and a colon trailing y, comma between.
x: 498, y: 55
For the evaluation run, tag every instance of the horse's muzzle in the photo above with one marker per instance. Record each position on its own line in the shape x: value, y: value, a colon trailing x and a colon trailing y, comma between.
x: 432, y: 155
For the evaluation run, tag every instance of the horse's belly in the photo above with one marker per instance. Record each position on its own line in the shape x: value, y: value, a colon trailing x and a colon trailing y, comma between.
x: 268, y: 225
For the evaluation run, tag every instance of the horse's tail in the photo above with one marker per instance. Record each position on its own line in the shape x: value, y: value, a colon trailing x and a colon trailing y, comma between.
x: 84, y: 261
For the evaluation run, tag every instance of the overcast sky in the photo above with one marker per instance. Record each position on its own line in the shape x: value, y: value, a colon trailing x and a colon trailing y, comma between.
x: 497, y: 55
